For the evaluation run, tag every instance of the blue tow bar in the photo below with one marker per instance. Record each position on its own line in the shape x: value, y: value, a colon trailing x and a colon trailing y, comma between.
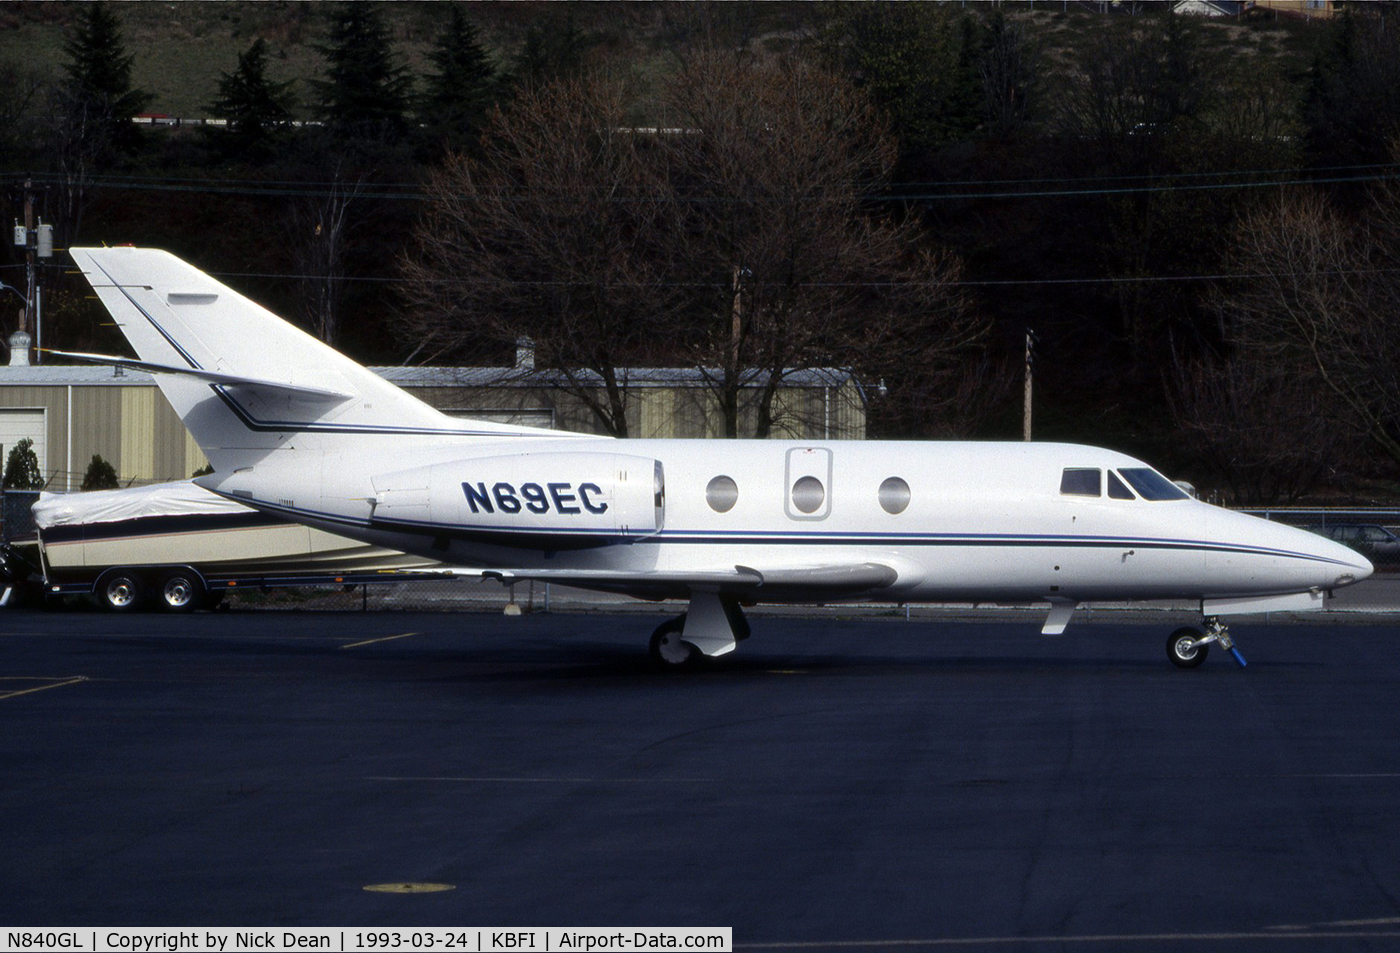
x: 1238, y: 657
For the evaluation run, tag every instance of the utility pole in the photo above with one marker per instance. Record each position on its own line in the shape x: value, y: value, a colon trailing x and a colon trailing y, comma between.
x: 1030, y: 369
x: 737, y: 320
x: 28, y: 262
x: 37, y: 242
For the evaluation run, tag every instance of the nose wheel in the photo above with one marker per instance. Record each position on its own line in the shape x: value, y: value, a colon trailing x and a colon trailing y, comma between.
x: 1188, y: 647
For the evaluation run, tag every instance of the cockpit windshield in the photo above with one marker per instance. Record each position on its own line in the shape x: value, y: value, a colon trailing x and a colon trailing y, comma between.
x: 1116, y: 489
x: 1151, y: 485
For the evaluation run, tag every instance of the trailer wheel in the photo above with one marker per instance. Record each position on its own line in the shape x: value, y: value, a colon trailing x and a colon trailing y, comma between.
x: 120, y: 591
x: 180, y: 591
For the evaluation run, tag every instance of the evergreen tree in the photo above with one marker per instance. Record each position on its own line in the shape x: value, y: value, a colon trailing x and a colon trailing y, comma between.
x: 916, y: 62
x: 22, y: 468
x: 100, y: 475
x: 556, y: 49
x: 99, y: 74
x: 254, y: 106
x: 460, y: 92
x: 364, y: 95
x: 1352, y: 101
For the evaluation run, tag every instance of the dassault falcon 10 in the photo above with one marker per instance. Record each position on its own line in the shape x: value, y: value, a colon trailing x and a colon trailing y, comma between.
x: 295, y: 428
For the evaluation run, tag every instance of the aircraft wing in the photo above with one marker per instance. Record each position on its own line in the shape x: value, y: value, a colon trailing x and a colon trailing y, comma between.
x: 773, y: 582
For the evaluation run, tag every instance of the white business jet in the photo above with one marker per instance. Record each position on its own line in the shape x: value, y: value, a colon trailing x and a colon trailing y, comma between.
x: 295, y: 428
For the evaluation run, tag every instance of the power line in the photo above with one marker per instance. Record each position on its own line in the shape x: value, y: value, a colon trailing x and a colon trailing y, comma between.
x: 214, y: 187
x: 135, y: 178
x: 1139, y: 176
x: 968, y: 283
x: 1132, y: 190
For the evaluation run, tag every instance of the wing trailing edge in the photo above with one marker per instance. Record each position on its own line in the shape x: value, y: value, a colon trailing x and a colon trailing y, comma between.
x: 813, y: 580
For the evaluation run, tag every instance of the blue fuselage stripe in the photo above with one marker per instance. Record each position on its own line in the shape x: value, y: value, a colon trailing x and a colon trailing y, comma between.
x: 780, y: 538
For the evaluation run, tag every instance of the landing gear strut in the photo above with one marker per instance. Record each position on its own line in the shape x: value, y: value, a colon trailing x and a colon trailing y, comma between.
x: 1187, y: 648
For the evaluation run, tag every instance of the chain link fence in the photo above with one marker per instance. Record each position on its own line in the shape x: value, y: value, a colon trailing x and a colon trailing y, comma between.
x: 16, y: 515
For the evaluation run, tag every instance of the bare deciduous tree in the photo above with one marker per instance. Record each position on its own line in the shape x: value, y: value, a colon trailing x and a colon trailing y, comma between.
x: 318, y: 228
x: 1321, y: 294
x: 1260, y: 426
x: 553, y: 232
x: 735, y: 235
x: 1010, y: 71
x: 1130, y: 82
x: 23, y: 84
x: 79, y: 136
x: 791, y: 268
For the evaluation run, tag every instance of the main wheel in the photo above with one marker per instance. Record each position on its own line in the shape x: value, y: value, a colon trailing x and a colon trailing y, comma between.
x: 668, y: 649
x: 120, y: 591
x: 180, y: 591
x: 1183, y: 651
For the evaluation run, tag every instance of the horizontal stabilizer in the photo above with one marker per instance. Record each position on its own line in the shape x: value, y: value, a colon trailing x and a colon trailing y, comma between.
x: 213, y: 377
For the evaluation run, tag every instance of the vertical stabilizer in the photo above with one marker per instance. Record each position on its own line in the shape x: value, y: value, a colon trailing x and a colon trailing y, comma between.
x: 238, y: 353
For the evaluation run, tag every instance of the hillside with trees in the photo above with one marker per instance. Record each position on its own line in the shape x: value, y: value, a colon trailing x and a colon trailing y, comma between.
x: 1199, y: 218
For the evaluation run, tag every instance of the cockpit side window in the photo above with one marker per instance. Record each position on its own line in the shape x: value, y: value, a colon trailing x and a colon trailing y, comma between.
x: 1116, y: 489
x: 1151, y: 485
x: 1081, y: 482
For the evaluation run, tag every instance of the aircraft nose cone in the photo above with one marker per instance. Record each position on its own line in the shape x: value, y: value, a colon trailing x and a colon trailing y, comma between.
x: 1265, y: 555
x: 1364, y: 568
x: 1347, y: 565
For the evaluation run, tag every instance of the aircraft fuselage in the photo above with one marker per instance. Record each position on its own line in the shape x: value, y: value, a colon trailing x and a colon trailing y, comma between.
x: 955, y: 521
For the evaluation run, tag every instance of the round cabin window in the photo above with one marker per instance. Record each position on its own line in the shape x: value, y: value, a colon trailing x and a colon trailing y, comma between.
x: 808, y: 494
x: 894, y: 495
x: 722, y: 493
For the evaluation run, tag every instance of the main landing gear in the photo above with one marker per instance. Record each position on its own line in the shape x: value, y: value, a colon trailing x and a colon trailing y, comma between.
x: 1188, y: 647
x: 668, y: 649
x: 713, y: 625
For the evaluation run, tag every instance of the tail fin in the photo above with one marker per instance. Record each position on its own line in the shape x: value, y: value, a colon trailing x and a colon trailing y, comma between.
x: 242, y: 379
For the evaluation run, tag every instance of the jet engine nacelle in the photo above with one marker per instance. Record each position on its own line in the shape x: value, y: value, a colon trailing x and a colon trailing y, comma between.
x: 551, y: 499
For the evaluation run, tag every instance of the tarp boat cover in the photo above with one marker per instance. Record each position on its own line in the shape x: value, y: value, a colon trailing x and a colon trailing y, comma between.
x: 180, y: 498
x: 82, y: 535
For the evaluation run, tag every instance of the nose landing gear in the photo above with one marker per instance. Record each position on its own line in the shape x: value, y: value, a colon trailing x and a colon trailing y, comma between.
x: 1188, y: 647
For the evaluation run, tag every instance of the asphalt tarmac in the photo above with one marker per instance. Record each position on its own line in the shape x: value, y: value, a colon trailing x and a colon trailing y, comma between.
x: 835, y: 784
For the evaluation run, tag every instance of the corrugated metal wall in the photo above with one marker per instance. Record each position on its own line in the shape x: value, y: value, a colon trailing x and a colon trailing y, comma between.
x: 137, y: 459
x: 131, y: 427
x: 55, y: 407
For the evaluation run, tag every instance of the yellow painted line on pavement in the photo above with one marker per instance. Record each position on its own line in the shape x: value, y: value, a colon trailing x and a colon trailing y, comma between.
x: 409, y: 888
x: 41, y: 688
x: 387, y: 638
